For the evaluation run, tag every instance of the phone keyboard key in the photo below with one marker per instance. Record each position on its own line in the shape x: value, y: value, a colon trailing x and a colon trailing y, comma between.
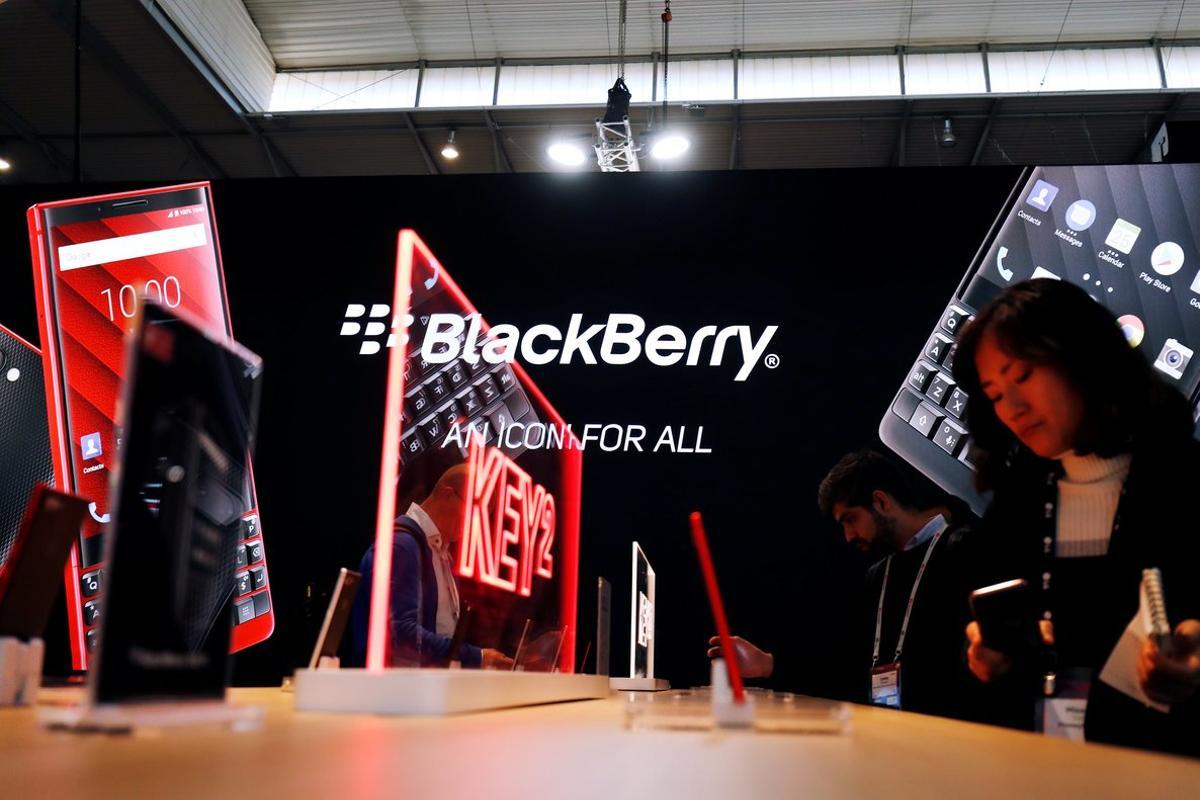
x: 433, y: 431
x: 940, y: 388
x: 953, y: 320
x: 926, y: 419
x: 949, y: 436
x: 258, y: 577
x: 250, y: 527
x: 262, y: 603
x: 91, y: 612
x: 92, y: 583
x: 457, y: 375
x: 244, y: 584
x: 948, y: 362
x: 956, y: 404
x: 517, y: 404
x: 244, y: 610
x: 488, y: 391
x: 937, y: 348
x: 906, y: 403
x: 920, y: 375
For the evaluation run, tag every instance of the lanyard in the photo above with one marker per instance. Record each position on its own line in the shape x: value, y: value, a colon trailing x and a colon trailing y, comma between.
x: 912, y: 596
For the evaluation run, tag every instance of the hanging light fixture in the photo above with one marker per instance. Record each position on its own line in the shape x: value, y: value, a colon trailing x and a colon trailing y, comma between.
x: 450, y: 149
x: 5, y: 164
x: 566, y: 154
x: 948, y: 138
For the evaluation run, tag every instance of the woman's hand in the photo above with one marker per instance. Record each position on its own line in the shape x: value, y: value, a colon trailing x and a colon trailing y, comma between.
x: 985, y: 663
x: 1174, y: 678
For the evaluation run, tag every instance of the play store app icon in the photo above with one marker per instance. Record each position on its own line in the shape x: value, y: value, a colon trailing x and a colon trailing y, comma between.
x: 1167, y: 258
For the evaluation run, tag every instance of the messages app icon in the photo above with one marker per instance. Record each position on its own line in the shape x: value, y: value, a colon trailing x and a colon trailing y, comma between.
x: 1080, y: 215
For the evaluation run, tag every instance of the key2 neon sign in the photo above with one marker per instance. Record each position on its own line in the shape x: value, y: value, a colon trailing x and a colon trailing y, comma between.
x: 509, y: 524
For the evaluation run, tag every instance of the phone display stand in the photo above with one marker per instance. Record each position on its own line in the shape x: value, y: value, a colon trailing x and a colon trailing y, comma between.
x: 145, y: 717
x: 404, y: 691
x: 639, y: 684
x: 713, y: 707
x: 20, y: 670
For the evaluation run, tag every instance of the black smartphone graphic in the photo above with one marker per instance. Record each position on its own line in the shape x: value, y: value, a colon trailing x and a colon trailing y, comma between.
x: 188, y: 414
x: 1129, y: 235
x: 24, y: 434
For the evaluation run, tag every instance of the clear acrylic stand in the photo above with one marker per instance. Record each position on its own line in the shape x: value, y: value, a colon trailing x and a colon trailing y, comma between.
x: 144, y: 717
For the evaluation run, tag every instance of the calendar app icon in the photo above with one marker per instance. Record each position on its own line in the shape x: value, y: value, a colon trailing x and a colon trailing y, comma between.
x: 1122, y: 236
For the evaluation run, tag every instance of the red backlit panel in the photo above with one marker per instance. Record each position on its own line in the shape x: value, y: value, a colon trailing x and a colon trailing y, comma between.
x: 503, y: 508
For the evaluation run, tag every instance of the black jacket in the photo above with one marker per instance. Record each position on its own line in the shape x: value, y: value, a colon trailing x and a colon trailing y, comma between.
x: 933, y: 674
x: 1159, y: 527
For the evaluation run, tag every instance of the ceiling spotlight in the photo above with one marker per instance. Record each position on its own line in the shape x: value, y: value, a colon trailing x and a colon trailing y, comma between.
x: 669, y: 145
x: 5, y: 164
x: 567, y: 154
x: 450, y: 150
x: 948, y: 138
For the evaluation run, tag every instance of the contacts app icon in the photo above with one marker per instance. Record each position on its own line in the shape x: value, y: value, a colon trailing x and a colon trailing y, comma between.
x: 1042, y: 196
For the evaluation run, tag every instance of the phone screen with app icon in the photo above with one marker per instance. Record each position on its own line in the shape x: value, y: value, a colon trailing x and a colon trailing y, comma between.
x: 1126, y: 234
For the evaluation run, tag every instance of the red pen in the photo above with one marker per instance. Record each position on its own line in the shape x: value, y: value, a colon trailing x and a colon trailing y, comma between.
x: 700, y: 539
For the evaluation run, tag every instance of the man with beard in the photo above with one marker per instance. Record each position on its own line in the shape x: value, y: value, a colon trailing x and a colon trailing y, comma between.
x: 915, y: 594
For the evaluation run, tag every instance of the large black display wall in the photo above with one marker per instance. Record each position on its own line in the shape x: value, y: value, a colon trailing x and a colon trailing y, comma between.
x: 853, y: 266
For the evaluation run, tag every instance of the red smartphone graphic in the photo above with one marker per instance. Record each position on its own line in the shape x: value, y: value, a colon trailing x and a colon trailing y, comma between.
x: 94, y: 261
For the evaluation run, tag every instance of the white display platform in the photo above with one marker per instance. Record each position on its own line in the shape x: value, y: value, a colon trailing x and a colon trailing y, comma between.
x: 437, y: 691
x: 639, y: 684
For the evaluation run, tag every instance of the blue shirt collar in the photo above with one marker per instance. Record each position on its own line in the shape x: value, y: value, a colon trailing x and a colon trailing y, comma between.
x: 930, y: 529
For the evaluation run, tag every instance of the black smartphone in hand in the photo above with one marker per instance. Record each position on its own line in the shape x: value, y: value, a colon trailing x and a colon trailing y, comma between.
x: 1007, y: 616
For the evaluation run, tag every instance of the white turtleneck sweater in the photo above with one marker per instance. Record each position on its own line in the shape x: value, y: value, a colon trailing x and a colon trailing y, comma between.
x: 1087, y: 503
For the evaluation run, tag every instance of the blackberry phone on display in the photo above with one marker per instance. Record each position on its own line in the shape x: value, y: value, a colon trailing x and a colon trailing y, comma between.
x: 189, y: 412
x: 24, y: 440
x: 27, y: 580
x: 95, y: 261
x: 1126, y: 234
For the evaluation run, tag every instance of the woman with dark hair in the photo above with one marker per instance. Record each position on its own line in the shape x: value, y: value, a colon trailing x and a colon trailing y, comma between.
x: 1092, y: 463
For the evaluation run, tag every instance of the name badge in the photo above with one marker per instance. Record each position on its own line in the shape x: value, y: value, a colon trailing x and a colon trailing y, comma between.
x: 885, y: 685
x: 1062, y: 716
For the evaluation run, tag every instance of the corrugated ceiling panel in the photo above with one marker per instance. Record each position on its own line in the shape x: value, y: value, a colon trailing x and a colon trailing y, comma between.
x: 323, y: 33
x: 1183, y: 67
x: 944, y: 73
x: 1114, y: 69
x: 223, y: 33
x: 337, y: 91
x: 451, y: 87
x: 569, y: 83
x: 819, y: 76
x: 699, y: 81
